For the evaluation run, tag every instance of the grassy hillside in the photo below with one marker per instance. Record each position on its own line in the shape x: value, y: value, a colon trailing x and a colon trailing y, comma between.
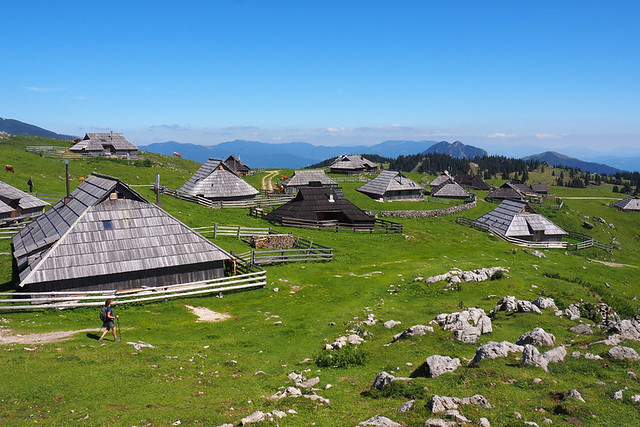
x: 211, y: 373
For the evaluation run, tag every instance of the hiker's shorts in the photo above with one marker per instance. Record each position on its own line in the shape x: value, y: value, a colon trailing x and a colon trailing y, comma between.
x: 108, y: 325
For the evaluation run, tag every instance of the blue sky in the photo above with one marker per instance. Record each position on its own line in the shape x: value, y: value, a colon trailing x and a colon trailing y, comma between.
x: 507, y: 76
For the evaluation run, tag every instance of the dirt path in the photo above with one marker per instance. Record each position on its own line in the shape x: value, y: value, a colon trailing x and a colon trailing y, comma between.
x: 8, y: 337
x: 613, y: 264
x: 206, y: 315
x: 590, y: 198
x: 267, y: 183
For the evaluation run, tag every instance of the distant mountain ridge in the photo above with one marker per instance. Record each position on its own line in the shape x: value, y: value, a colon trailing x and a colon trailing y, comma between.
x: 456, y: 150
x: 557, y: 159
x: 16, y: 127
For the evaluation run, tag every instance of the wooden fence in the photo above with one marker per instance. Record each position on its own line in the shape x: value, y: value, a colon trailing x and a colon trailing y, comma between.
x: 302, y: 251
x: 238, y: 231
x: 584, y: 240
x: 9, y: 232
x: 252, y: 277
x: 259, y: 201
x: 50, y: 151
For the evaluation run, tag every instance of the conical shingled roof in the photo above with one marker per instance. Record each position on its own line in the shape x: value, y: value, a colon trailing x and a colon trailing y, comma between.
x: 441, y: 179
x: 515, y: 218
x: 451, y: 190
x: 352, y: 163
x: 100, y: 238
x: 388, y: 181
x: 631, y: 203
x: 214, y: 180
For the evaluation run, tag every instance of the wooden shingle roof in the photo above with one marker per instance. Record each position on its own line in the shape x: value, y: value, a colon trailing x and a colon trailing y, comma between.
x: 388, y: 181
x: 441, y: 179
x: 96, y: 234
x: 97, y: 142
x: 354, y: 162
x: 234, y: 163
x: 313, y: 200
x: 450, y: 189
x: 307, y: 177
x: 472, y: 181
x: 11, y: 196
x: 214, y: 180
x: 631, y: 203
x: 515, y: 218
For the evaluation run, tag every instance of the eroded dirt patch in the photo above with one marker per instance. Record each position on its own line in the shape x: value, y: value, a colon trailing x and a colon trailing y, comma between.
x: 613, y: 264
x: 206, y: 315
x: 8, y: 337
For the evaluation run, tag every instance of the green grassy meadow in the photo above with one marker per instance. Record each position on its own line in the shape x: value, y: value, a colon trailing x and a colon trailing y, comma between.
x: 212, y: 373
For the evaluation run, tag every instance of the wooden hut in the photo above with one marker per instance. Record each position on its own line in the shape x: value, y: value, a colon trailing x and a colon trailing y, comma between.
x: 216, y: 181
x: 308, y: 178
x: 450, y: 190
x: 234, y: 163
x: 517, y: 219
x: 512, y: 190
x: 441, y: 179
x: 105, y: 144
x: 392, y: 185
x: 474, y: 182
x: 541, y: 189
x: 320, y: 205
x: 16, y: 205
x: 631, y: 203
x: 106, y: 236
x: 352, y: 165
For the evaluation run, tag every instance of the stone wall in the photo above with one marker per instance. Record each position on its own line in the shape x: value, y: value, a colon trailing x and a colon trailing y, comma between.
x: 429, y: 214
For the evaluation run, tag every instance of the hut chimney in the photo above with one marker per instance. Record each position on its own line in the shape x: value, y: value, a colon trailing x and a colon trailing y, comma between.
x: 67, y: 198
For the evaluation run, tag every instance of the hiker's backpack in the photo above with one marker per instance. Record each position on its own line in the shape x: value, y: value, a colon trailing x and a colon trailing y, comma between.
x: 103, y: 313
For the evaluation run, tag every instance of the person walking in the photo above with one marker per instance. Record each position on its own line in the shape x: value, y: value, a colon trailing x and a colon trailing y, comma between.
x: 30, y: 184
x: 108, y: 321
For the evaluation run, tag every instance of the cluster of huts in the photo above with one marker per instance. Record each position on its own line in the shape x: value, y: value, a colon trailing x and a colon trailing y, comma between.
x: 16, y: 205
x: 105, y: 144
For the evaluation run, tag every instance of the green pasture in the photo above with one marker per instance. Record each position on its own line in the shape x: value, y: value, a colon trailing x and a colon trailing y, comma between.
x: 212, y: 373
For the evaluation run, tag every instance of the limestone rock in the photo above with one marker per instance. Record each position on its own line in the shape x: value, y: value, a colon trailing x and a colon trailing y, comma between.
x: 389, y: 324
x: 537, y: 336
x: 288, y: 392
x: 438, y: 365
x: 543, y: 303
x: 531, y: 356
x: 575, y: 394
x: 483, y: 422
x: 256, y: 417
x: 555, y: 355
x: 379, y: 421
x: 308, y: 383
x: 573, y: 312
x: 582, y: 328
x: 439, y: 403
x: 384, y: 378
x: 538, y: 254
x: 467, y: 325
x: 406, y: 406
x: 620, y: 352
x: 316, y: 398
x: 340, y: 342
x: 510, y: 303
x: 493, y: 350
x: 618, y: 395
x: 438, y: 422
x: 412, y: 331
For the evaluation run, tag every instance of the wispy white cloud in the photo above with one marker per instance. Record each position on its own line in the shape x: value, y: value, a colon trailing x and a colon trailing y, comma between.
x: 502, y: 135
x: 241, y: 128
x: 43, y: 89
x: 169, y: 127
x: 547, y: 136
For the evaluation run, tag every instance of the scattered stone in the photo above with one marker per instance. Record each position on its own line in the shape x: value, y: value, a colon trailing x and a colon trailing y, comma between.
x: 587, y: 225
x: 576, y: 354
x: 308, y: 383
x: 547, y: 421
x: 140, y: 344
x: 256, y: 417
x: 390, y: 324
x: 628, y: 329
x: 543, y: 303
x: 177, y: 423
x: 467, y: 325
x: 438, y: 365
x: 379, y: 421
x: 456, y: 416
x: 456, y: 275
x: 575, y: 394
x: 572, y: 312
x: 538, y: 254
x: 555, y: 355
x: 632, y: 375
x: 483, y: 422
x: 384, y: 378
x: 618, y: 395
x: 582, y: 328
x: 371, y: 320
x: 442, y: 403
x: 493, y: 350
x: 537, y: 336
x: 531, y: 356
x: 438, y: 422
x: 316, y: 398
x: 510, y: 303
x: 537, y: 380
x: 406, y: 406
x: 278, y: 414
x: 636, y: 398
x: 288, y: 392
x: 412, y: 331
x: 620, y: 352
x: 530, y: 423
x: 591, y: 356
x: 517, y: 415
x: 340, y: 342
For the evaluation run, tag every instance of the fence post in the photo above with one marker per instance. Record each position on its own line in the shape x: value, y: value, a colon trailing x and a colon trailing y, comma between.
x: 238, y: 232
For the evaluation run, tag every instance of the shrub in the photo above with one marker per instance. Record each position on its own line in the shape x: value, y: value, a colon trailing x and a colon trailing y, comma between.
x: 497, y: 275
x: 344, y: 357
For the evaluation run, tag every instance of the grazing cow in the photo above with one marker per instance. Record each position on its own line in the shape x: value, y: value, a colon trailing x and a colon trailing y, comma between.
x: 175, y: 153
x: 81, y: 179
x: 9, y: 168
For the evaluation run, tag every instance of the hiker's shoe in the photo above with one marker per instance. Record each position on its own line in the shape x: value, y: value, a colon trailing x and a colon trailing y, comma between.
x: 117, y: 340
x: 100, y: 339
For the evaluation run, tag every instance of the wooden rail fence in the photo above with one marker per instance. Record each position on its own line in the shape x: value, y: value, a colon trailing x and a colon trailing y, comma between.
x: 302, y: 251
x: 238, y: 231
x: 252, y: 277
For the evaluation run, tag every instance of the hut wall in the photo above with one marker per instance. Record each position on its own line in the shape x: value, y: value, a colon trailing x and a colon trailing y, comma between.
x: 403, y: 195
x: 136, y: 279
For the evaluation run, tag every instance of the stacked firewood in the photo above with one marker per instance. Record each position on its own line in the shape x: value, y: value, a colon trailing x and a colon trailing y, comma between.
x: 273, y: 241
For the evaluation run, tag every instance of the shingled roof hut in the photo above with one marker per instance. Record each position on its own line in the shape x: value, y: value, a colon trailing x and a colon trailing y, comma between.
x: 392, y: 185
x: 105, y: 144
x: 474, y: 182
x: 318, y: 206
x: 517, y: 219
x: 631, y: 203
x: 16, y: 205
x: 513, y: 190
x: 540, y: 188
x: 308, y: 178
x: 216, y: 181
x: 441, y: 179
x: 352, y: 165
x: 450, y: 190
x: 234, y: 163
x: 106, y: 236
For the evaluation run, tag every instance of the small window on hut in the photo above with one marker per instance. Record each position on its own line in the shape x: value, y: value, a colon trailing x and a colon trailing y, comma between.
x: 106, y: 225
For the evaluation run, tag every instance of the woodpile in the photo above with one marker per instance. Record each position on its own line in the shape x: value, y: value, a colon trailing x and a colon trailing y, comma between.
x: 273, y: 241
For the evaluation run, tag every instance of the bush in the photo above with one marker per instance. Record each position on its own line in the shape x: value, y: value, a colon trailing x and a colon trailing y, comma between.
x: 413, y: 389
x: 344, y: 357
x: 499, y: 274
